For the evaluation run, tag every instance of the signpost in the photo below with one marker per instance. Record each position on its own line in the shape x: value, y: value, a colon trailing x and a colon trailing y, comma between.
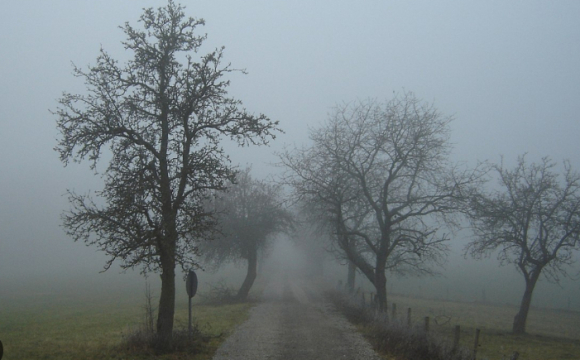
x: 191, y: 288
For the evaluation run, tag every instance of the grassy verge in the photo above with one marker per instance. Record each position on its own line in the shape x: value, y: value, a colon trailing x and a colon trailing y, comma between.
x: 552, y: 334
x: 93, y: 327
x: 393, y: 339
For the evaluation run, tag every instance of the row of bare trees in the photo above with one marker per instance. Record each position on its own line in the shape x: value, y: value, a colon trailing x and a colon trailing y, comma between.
x: 377, y: 176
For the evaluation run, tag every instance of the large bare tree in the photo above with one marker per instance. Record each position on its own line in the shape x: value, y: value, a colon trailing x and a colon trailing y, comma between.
x: 250, y: 213
x: 380, y: 172
x: 531, y: 221
x: 162, y: 116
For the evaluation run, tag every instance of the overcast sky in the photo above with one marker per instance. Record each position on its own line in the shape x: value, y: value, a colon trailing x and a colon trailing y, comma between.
x: 509, y: 73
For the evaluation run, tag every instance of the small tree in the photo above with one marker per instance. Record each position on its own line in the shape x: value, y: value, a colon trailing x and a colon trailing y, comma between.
x: 248, y: 214
x: 162, y: 115
x: 390, y: 184
x: 533, y: 221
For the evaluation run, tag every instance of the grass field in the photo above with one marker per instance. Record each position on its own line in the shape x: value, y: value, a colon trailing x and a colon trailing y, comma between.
x: 84, y: 324
x: 89, y: 325
x: 552, y: 334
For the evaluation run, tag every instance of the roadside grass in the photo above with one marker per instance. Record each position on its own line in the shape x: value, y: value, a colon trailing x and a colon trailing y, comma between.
x: 57, y: 326
x: 552, y: 334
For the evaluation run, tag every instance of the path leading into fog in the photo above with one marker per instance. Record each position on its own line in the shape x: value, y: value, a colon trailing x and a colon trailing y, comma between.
x: 294, y: 322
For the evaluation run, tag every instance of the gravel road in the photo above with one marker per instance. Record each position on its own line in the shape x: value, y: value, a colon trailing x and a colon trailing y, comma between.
x: 294, y: 322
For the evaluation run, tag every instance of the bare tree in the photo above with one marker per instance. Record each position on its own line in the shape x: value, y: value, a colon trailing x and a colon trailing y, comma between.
x: 324, y: 194
x: 249, y: 214
x: 380, y: 173
x: 533, y: 221
x: 162, y: 116
x: 311, y: 239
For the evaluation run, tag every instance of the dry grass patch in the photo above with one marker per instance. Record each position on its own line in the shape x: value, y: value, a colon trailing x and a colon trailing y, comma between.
x: 553, y: 334
x: 68, y: 327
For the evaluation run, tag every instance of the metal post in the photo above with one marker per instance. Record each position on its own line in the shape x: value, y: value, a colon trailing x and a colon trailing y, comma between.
x: 189, y: 329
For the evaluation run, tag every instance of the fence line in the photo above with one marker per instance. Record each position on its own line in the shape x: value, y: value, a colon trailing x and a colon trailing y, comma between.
x: 372, y: 303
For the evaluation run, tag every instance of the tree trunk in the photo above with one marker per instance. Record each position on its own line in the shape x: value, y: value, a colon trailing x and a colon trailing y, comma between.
x: 381, y: 286
x: 250, y: 275
x: 166, y: 305
x: 351, y: 277
x: 519, y: 326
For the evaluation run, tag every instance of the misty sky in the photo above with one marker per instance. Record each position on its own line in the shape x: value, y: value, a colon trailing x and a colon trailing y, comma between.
x: 509, y: 73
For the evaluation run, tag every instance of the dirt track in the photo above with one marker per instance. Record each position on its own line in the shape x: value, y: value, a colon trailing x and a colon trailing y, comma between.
x: 294, y: 322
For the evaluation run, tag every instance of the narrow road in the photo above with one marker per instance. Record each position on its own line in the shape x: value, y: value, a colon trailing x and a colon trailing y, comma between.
x: 294, y: 322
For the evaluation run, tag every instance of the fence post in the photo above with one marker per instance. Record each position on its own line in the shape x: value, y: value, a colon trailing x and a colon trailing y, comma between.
x: 456, y: 338
x: 426, y: 324
x: 409, y: 317
x: 476, y: 344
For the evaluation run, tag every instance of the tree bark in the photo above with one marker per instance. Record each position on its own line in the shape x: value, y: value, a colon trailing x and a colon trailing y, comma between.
x: 381, y: 285
x: 350, y: 281
x: 250, y: 275
x: 519, y: 325
x: 166, y: 305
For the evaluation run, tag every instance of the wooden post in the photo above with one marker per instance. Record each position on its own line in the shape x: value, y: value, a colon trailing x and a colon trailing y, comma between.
x: 426, y: 324
x: 394, y: 311
x: 476, y: 344
x: 456, y: 338
x: 364, y: 302
x: 409, y: 317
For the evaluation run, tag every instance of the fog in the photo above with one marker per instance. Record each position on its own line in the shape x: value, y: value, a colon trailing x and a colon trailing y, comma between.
x: 508, y: 72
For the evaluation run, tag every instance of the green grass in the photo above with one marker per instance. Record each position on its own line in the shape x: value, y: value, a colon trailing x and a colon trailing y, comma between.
x: 552, y: 334
x: 59, y: 326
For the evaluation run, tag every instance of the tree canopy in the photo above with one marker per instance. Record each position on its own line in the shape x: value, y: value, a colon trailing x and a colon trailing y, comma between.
x: 161, y: 116
x: 249, y: 214
x: 531, y: 221
x: 379, y: 174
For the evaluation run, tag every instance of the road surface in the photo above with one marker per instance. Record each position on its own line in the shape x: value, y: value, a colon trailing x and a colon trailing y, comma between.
x: 294, y: 322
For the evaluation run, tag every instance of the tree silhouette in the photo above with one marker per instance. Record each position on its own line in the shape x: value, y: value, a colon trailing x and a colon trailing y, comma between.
x: 379, y: 174
x: 158, y: 120
x: 249, y: 214
x: 533, y: 221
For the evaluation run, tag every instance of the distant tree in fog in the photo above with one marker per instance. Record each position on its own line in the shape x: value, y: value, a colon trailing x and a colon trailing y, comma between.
x: 533, y: 221
x: 162, y: 116
x: 327, y: 196
x: 379, y: 174
x: 310, y: 240
x: 249, y: 214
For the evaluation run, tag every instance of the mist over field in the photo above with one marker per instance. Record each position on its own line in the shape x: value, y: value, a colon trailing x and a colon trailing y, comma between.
x: 506, y: 72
